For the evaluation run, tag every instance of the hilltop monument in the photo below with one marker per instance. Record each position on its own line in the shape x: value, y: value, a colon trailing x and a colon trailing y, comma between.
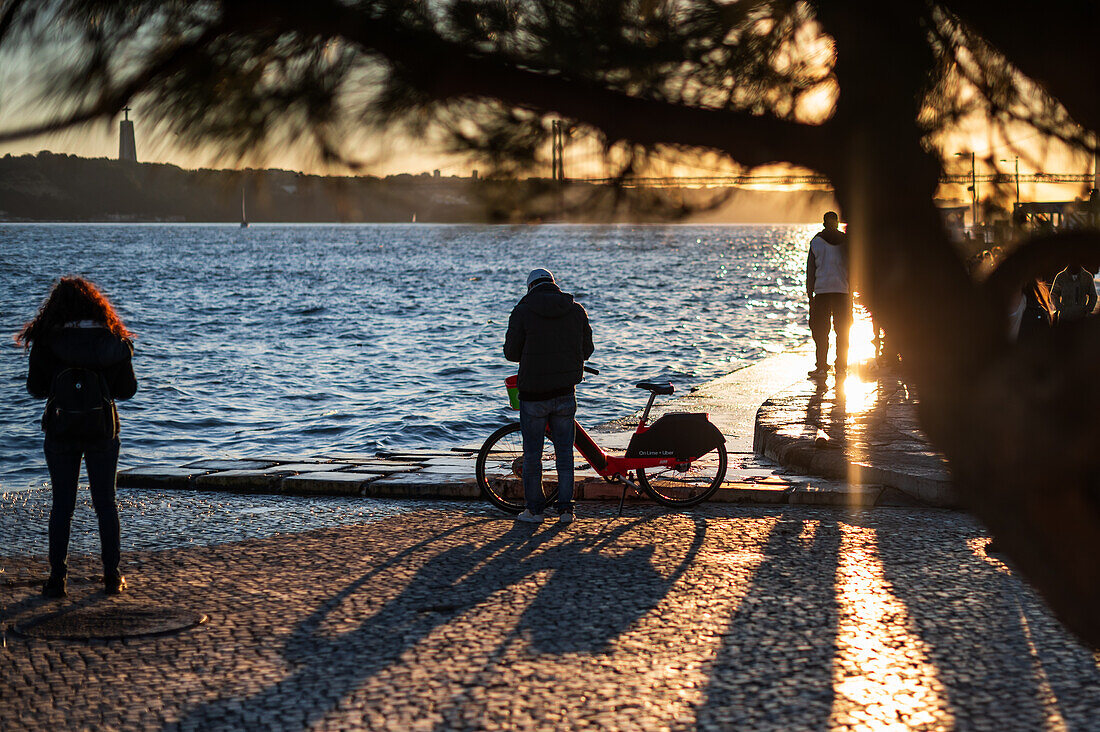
x: 127, y: 150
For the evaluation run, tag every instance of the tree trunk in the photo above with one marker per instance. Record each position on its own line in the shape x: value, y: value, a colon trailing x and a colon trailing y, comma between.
x: 1018, y: 425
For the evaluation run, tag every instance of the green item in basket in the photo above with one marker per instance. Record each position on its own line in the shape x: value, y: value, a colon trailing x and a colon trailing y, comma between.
x: 512, y: 383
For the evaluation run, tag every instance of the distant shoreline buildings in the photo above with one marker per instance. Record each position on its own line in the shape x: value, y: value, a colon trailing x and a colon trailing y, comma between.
x: 59, y: 187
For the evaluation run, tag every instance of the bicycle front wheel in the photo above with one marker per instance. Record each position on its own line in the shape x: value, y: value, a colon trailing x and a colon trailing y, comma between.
x: 499, y: 470
x: 688, y: 483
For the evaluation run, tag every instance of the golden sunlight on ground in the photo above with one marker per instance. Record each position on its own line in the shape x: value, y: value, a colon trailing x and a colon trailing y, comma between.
x: 861, y: 337
x: 860, y: 388
x: 882, y: 679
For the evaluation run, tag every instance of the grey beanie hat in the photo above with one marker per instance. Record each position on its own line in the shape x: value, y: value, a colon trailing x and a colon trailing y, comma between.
x: 537, y: 276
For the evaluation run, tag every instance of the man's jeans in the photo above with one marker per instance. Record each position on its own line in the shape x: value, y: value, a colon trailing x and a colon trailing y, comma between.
x: 835, y: 307
x: 100, y: 462
x: 559, y: 413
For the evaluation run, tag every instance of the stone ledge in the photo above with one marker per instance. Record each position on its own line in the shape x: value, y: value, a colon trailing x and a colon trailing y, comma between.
x: 325, y: 483
x: 238, y: 481
x: 909, y: 474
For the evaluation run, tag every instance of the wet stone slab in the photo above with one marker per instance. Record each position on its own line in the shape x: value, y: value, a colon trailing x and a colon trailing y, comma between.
x: 229, y: 464
x: 329, y: 483
x: 158, y: 477
x: 424, y: 485
x: 240, y: 481
x: 306, y: 467
x: 385, y: 466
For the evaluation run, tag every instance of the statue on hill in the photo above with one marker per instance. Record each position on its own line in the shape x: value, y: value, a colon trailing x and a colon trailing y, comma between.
x: 127, y: 149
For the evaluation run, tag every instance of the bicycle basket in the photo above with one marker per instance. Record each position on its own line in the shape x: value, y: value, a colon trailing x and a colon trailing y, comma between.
x: 512, y: 384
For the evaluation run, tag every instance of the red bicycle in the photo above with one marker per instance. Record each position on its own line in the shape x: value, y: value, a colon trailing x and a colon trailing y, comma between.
x: 679, y: 460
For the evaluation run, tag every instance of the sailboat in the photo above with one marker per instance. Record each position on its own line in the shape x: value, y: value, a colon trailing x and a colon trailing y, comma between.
x: 244, y: 216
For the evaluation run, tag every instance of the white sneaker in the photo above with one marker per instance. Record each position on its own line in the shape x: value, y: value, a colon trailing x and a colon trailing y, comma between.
x: 566, y: 518
x: 529, y: 518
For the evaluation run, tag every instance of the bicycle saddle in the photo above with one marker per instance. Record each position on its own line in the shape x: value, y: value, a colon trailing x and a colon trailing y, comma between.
x: 657, y: 388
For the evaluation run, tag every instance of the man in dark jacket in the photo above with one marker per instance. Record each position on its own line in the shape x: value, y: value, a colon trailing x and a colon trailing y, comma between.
x: 549, y: 335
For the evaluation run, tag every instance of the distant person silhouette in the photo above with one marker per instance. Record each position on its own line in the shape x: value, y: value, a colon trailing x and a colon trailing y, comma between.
x: 80, y: 362
x: 1030, y: 312
x: 1073, y: 293
x: 549, y: 335
x: 828, y: 293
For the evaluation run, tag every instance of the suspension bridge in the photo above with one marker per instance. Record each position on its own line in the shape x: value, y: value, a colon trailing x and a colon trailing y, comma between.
x: 587, y: 156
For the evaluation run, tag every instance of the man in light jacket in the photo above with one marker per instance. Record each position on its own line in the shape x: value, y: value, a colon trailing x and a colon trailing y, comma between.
x: 827, y: 290
x: 1073, y: 293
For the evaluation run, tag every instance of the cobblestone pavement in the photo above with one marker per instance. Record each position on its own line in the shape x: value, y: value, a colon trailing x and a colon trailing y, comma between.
x: 727, y: 617
x: 165, y: 519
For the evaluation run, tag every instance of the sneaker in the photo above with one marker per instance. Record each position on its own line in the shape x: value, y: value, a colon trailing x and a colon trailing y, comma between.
x: 54, y: 587
x: 566, y: 517
x: 114, y: 585
x: 529, y: 518
x: 818, y: 373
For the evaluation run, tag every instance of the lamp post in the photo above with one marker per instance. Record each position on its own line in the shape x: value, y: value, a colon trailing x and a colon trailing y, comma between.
x: 1003, y: 160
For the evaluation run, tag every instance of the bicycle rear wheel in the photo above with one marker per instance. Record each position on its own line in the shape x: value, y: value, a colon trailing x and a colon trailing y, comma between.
x: 499, y: 470
x: 686, y: 484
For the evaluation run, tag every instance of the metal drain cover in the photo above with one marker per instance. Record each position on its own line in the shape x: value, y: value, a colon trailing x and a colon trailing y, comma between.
x: 110, y: 620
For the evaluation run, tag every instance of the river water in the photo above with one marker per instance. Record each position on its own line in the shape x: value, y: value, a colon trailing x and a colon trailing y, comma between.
x: 308, y: 339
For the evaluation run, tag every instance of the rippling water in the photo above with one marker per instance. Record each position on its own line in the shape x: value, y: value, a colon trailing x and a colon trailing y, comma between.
x: 312, y: 339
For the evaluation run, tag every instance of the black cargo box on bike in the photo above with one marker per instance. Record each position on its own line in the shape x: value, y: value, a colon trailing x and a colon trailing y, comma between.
x: 680, y: 435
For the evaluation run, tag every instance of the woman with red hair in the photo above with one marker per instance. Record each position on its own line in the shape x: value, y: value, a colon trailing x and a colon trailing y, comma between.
x: 80, y: 362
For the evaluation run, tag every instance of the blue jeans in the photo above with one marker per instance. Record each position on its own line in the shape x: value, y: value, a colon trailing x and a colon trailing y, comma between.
x: 534, y: 417
x: 100, y: 461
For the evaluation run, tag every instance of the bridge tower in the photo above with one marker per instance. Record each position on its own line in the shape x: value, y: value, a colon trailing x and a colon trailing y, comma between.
x: 557, y: 162
x: 127, y: 150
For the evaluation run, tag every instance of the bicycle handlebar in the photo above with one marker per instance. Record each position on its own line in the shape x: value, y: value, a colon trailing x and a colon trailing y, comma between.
x: 591, y: 370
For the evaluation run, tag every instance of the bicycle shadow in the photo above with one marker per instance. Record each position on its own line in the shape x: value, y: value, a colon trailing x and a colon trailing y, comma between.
x: 455, y: 580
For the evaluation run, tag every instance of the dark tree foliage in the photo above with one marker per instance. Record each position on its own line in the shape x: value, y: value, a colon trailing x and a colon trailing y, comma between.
x: 862, y: 91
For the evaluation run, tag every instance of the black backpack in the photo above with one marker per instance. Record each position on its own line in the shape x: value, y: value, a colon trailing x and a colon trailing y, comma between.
x: 80, y: 406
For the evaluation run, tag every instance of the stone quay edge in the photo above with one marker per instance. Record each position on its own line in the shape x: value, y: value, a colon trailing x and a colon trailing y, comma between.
x: 776, y: 454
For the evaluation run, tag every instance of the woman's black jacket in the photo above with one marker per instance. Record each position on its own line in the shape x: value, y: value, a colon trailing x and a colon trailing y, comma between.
x: 82, y: 345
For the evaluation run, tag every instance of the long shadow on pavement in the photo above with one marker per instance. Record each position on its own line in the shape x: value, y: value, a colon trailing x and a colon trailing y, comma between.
x: 985, y: 634
x: 328, y: 667
x: 774, y: 667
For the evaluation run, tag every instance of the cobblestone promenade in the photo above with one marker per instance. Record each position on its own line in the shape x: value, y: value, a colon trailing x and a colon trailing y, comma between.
x: 449, y: 616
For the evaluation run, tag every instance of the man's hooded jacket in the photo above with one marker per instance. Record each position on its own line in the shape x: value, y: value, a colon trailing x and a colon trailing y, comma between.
x: 549, y: 335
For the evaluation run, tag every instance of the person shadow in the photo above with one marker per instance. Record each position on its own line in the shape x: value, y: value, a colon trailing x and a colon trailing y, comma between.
x: 827, y: 418
x: 990, y: 638
x: 776, y: 658
x: 36, y: 609
x: 457, y: 579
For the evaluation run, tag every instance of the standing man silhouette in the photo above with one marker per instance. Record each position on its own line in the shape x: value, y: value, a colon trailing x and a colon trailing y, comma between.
x: 1074, y: 293
x: 549, y: 334
x: 827, y: 290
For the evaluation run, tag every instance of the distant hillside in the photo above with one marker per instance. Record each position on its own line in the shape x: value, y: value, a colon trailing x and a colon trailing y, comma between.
x: 51, y: 187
